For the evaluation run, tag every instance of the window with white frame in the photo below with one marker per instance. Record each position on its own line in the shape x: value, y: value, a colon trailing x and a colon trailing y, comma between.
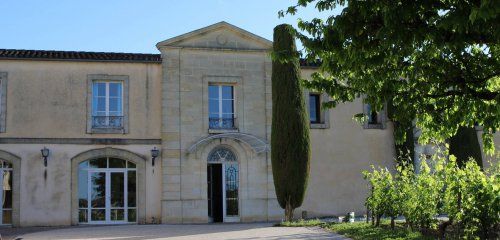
x: 221, y: 106
x: 107, y: 104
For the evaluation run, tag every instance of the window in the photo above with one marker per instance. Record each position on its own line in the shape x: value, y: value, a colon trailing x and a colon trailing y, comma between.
x: 107, y: 104
x: 314, y: 108
x: 318, y: 117
x: 374, y: 119
x: 372, y: 115
x: 221, y: 107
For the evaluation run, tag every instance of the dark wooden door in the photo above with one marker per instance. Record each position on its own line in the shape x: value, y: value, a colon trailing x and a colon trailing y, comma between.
x: 214, y: 191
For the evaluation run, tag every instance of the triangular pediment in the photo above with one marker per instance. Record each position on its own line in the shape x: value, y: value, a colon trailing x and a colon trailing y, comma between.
x: 221, y: 35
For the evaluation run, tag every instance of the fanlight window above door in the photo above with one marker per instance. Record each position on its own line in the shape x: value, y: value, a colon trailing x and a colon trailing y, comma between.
x: 221, y: 154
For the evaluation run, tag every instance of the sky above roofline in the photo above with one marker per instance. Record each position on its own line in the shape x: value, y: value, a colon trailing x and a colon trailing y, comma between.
x: 129, y: 26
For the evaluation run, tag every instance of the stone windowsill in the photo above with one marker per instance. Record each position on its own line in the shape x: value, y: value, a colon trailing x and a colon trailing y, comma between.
x: 233, y: 130
x: 319, y: 125
x: 108, y: 130
x: 374, y: 126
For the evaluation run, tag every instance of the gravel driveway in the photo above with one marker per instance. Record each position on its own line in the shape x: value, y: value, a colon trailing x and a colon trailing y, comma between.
x: 261, y: 231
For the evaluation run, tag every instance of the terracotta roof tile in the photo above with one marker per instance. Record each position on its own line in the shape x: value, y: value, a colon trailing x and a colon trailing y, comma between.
x: 78, y: 56
x: 94, y: 56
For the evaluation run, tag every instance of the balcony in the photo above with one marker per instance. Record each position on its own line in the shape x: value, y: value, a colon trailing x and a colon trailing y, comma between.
x: 222, y: 123
x: 107, y: 122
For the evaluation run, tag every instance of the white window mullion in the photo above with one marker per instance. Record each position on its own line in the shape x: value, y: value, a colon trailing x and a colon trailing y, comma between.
x: 107, y: 198
x: 220, y: 107
x: 107, y: 99
x: 107, y: 103
x: 89, y: 196
x: 224, y: 192
x: 125, y: 195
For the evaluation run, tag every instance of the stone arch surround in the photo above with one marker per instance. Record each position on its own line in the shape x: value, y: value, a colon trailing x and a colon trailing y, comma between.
x: 253, y: 178
x: 140, y: 162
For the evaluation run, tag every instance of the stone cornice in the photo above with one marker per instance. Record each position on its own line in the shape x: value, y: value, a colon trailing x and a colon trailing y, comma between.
x: 81, y: 141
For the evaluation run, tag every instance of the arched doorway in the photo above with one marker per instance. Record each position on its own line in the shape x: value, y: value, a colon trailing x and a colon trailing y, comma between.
x: 6, y: 193
x: 107, y: 191
x: 111, y: 196
x: 10, y: 177
x: 223, y: 185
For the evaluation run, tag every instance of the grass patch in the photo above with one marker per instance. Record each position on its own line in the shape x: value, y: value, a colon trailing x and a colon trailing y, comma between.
x: 301, y: 223
x: 361, y: 230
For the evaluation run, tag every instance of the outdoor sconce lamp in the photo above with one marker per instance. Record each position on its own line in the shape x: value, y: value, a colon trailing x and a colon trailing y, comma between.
x: 45, y: 153
x: 154, y: 154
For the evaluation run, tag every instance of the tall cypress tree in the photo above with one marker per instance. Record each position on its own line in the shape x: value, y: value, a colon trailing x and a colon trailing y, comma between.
x: 290, y: 147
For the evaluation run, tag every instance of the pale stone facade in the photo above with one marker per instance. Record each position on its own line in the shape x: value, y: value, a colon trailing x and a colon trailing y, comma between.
x: 166, y: 105
x: 217, y: 54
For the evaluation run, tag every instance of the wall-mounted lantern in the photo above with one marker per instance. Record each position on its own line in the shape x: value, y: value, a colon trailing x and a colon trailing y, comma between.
x: 154, y: 154
x: 45, y: 153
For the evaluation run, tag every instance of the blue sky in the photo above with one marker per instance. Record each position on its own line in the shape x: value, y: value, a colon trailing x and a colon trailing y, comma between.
x: 129, y: 26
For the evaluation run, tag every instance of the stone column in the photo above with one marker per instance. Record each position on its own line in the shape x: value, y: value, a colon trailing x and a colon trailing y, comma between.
x: 171, y: 152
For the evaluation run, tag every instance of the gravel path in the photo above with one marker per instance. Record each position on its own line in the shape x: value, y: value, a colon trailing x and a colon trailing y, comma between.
x: 261, y: 231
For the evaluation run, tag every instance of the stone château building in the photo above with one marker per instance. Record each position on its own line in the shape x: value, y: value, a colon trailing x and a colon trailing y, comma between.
x: 203, y: 106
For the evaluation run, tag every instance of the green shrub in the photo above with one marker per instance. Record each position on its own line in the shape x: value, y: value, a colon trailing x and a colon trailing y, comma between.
x: 385, y: 197
x: 374, y: 199
x: 469, y: 196
x: 426, y: 196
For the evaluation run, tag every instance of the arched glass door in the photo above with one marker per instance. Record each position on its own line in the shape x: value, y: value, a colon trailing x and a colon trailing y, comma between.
x: 223, y: 186
x: 6, y: 193
x: 107, y: 191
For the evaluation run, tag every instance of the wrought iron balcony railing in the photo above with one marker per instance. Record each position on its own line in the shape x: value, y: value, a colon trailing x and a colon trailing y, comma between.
x: 221, y: 123
x: 107, y: 121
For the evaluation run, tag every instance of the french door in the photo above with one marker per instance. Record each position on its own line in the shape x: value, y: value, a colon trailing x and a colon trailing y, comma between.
x: 230, y: 190
x: 107, y: 191
x: 223, y: 188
